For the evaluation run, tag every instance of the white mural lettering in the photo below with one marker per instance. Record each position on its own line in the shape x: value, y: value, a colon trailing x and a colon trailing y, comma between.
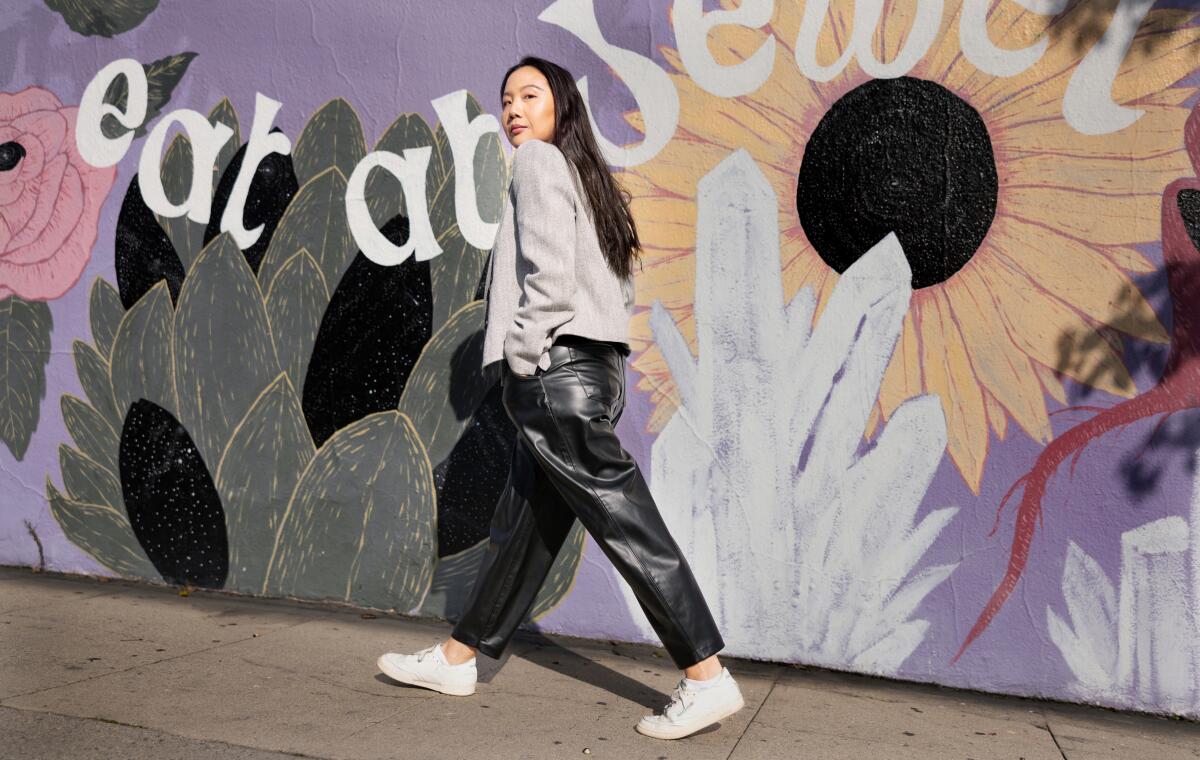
x: 464, y: 136
x: 653, y: 90
x: 96, y: 148
x: 1088, y: 105
x: 692, y: 26
x: 262, y: 143
x: 979, y: 49
x: 410, y: 170
x: 207, y: 140
x: 867, y: 15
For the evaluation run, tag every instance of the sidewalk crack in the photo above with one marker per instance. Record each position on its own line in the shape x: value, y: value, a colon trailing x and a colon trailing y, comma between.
x: 1054, y: 738
x: 754, y: 716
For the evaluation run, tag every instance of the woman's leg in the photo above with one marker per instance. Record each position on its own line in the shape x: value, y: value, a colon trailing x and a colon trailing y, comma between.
x: 528, y: 528
x: 566, y: 416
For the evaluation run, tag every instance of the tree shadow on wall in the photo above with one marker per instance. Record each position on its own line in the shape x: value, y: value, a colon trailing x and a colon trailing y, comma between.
x: 1173, y: 441
x: 1084, y: 22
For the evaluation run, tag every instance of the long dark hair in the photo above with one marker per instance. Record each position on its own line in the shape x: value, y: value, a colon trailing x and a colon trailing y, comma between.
x: 609, y: 201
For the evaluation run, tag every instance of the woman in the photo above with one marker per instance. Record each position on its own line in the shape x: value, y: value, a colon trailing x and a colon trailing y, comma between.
x: 559, y: 297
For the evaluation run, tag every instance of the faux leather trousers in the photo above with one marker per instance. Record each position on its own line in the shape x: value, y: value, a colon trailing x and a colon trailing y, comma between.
x: 568, y: 463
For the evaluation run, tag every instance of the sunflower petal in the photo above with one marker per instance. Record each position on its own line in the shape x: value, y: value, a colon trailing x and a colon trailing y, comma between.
x: 996, y: 414
x: 1000, y: 365
x: 1075, y: 273
x: 1052, y: 333
x: 1126, y: 219
x: 948, y: 373
x: 902, y: 378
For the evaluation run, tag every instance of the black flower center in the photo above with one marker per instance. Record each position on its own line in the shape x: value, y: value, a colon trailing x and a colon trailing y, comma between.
x: 11, y: 154
x: 899, y: 155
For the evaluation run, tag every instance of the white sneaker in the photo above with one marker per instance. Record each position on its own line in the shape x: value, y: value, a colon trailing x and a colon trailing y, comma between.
x: 692, y: 709
x: 425, y: 668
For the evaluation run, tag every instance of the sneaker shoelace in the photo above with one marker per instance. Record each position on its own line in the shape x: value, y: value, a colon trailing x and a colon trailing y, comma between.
x: 426, y: 652
x: 681, y: 699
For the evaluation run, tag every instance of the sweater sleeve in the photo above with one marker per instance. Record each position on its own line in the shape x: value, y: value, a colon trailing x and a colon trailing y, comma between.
x: 544, y: 213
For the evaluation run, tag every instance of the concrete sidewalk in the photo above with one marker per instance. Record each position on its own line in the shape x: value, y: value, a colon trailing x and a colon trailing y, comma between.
x: 93, y: 669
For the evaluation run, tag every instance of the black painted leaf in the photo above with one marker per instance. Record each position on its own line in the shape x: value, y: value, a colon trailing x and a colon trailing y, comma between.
x: 102, y: 532
x: 271, y: 191
x: 469, y: 480
x: 172, y: 503
x: 90, y: 431
x: 104, y: 311
x: 374, y: 328
x: 102, y: 18
x: 25, y: 328
x: 143, y: 252
x: 446, y: 385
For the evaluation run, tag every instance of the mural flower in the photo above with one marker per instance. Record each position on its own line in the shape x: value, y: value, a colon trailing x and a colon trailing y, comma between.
x: 985, y: 331
x: 50, y: 198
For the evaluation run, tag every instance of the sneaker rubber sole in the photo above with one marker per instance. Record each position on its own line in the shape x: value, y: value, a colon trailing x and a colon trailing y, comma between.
x: 403, y: 676
x: 678, y: 732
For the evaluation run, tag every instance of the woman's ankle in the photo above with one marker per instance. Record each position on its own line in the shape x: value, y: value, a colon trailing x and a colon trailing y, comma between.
x: 709, y: 667
x: 457, y: 652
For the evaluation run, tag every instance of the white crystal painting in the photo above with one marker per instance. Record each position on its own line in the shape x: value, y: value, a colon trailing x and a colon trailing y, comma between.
x: 763, y: 475
x: 1140, y: 638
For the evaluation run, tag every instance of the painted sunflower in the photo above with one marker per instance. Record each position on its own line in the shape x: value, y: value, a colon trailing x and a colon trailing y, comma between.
x: 1030, y: 289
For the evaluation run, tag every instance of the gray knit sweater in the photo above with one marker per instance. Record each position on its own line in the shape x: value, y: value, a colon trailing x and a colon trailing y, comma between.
x: 547, y: 275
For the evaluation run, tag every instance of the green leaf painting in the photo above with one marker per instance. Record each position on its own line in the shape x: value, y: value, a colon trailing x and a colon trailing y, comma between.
x: 295, y: 304
x: 142, y: 365
x: 102, y: 532
x: 315, y: 221
x: 91, y: 432
x: 361, y: 524
x: 224, y: 356
x: 105, y: 312
x: 223, y: 113
x: 272, y: 438
x: 333, y: 136
x: 446, y: 385
x: 208, y: 389
x: 102, y: 18
x: 186, y: 236
x: 25, y: 328
x: 161, y: 77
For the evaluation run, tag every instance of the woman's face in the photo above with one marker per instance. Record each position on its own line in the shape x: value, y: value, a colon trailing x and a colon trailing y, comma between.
x: 528, y: 107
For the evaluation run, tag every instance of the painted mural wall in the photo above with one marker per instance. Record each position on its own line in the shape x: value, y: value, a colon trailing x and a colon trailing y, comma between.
x: 915, y: 369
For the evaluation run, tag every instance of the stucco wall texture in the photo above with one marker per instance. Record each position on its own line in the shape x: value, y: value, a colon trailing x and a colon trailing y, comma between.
x: 914, y: 369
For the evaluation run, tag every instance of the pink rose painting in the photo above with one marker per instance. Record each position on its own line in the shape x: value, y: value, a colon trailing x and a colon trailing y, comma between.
x: 50, y: 198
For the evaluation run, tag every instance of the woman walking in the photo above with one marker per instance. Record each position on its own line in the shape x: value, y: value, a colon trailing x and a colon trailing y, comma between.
x: 559, y: 298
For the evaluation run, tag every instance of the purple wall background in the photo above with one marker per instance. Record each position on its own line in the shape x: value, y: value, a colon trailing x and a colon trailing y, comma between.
x: 388, y: 58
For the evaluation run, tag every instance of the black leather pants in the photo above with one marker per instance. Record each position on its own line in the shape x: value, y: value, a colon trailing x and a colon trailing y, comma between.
x: 568, y: 463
